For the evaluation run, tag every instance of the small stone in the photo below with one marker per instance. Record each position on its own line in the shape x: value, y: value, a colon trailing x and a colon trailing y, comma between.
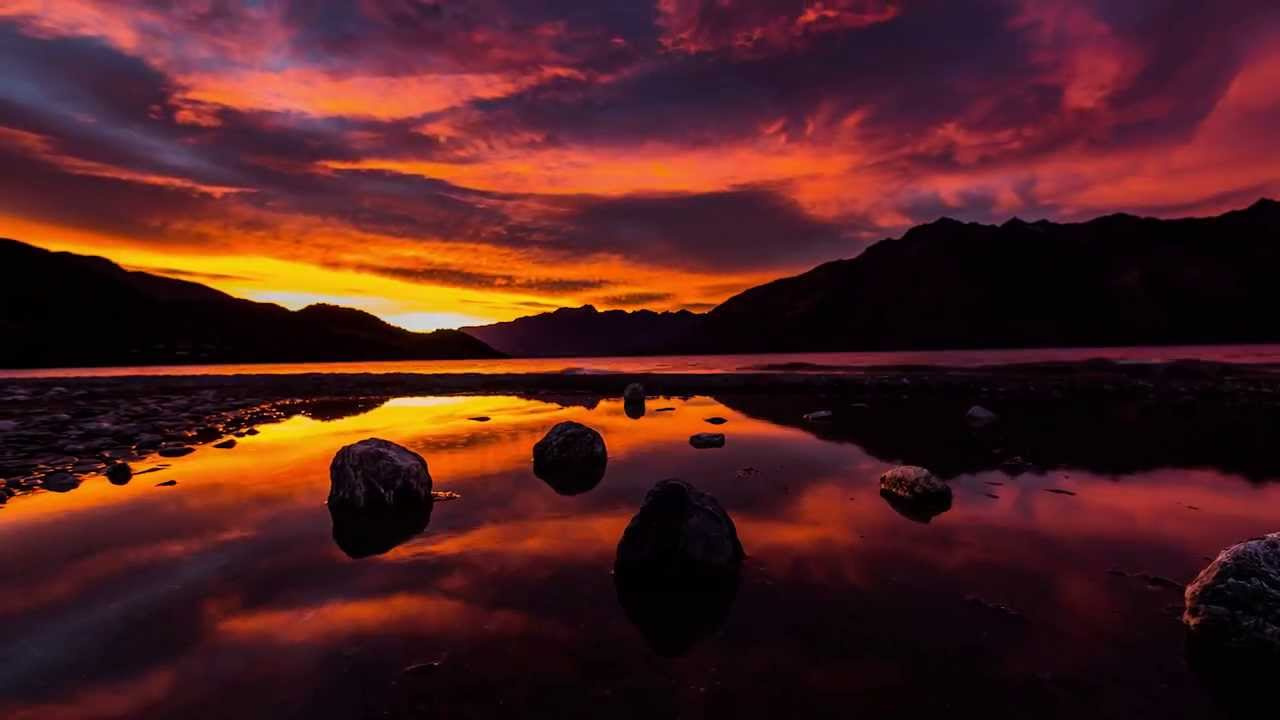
x: 915, y: 492
x: 226, y: 444
x: 176, y: 451
x: 60, y: 482
x: 119, y: 473
x: 980, y: 417
x: 704, y: 441
x: 716, y: 420
x: 479, y: 418
x: 167, y: 483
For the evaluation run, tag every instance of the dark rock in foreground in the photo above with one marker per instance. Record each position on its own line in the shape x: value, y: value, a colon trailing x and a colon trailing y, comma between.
x: 677, y: 567
x: 915, y: 493
x: 1235, y: 602
x: 571, y: 458
x: 376, y: 474
x: 1232, y: 614
x: 704, y: 441
x: 60, y: 482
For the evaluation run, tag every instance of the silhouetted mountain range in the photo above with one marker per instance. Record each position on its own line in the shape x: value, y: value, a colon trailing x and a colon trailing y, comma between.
x: 61, y: 309
x: 586, y: 331
x: 1116, y: 280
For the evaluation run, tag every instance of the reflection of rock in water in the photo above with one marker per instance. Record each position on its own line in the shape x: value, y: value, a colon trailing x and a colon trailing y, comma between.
x: 362, y: 534
x: 1232, y: 615
x: 915, y: 493
x: 571, y: 458
x: 677, y: 567
x: 379, y: 496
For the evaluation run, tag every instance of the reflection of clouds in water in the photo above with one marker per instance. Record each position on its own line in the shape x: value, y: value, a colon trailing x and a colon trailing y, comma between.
x: 513, y: 574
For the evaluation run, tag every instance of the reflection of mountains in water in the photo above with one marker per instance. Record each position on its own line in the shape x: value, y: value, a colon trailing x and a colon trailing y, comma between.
x: 1116, y: 436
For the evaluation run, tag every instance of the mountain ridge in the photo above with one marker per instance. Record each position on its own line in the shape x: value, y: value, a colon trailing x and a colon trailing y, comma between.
x: 61, y: 309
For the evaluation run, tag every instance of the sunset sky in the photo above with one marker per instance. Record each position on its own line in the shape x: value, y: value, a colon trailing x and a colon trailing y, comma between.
x: 449, y: 162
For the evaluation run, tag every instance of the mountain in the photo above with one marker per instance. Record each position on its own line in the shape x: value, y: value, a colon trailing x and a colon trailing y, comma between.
x: 586, y: 331
x: 1116, y: 280
x: 58, y: 309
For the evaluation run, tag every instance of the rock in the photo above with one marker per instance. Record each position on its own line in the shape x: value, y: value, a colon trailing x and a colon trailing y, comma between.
x: 119, y: 473
x: 716, y: 420
x: 980, y: 417
x: 251, y: 431
x: 633, y: 393
x: 167, y: 483
x: 176, y: 451
x: 665, y: 409
x: 634, y: 409
x: 677, y: 567
x: 225, y: 444
x: 915, y: 493
x: 60, y: 482
x: 479, y: 418
x: 571, y: 458
x: 376, y: 475
x: 818, y: 416
x: 1234, y: 603
x: 704, y: 441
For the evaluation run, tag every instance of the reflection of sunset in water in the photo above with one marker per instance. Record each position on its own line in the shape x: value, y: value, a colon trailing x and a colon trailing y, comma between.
x: 226, y: 591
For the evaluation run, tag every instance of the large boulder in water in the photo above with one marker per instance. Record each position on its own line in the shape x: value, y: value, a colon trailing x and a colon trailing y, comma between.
x: 379, y: 496
x: 571, y: 458
x: 677, y: 567
x: 915, y: 493
x: 1234, y: 604
x: 375, y: 474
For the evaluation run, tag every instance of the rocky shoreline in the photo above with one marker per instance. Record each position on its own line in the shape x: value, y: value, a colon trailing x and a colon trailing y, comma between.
x: 55, y: 431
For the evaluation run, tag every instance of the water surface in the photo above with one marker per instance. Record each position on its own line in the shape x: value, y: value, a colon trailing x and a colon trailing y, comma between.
x: 226, y: 595
x: 824, y: 362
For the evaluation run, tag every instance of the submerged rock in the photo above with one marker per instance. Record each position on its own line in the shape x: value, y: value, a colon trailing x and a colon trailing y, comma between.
x: 119, y: 473
x: 716, y: 420
x: 703, y: 441
x: 375, y: 474
x: 915, y: 493
x: 361, y: 534
x: 571, y: 458
x: 980, y: 417
x: 677, y: 567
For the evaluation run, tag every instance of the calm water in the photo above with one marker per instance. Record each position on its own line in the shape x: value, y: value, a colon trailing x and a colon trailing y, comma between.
x: 1249, y: 354
x: 226, y: 596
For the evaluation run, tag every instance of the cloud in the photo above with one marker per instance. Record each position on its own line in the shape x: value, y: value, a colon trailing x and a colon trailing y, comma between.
x: 556, y: 153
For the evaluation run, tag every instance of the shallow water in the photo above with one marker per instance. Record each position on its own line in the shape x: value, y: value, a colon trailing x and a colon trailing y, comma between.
x: 772, y: 362
x: 226, y: 595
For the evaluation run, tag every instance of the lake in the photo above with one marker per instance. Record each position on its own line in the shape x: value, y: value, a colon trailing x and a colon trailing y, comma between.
x: 1040, y: 593
x: 825, y: 362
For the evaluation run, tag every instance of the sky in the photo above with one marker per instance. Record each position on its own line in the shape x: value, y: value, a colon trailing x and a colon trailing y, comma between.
x: 450, y: 162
